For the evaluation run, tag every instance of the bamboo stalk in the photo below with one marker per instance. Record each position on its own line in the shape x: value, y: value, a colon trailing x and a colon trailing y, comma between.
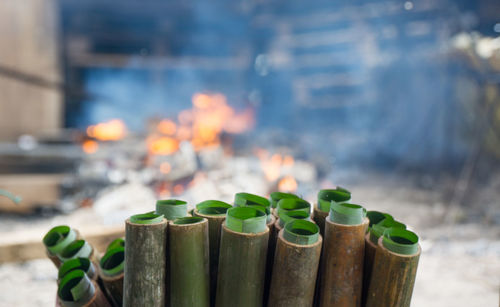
x: 215, y: 212
x: 379, y: 222
x: 111, y: 273
x: 77, y: 290
x: 189, y: 262
x: 394, y: 269
x: 242, y: 262
x: 56, y: 239
x: 296, y: 265
x: 343, y: 256
x: 319, y: 218
x: 171, y: 208
x: 145, y: 260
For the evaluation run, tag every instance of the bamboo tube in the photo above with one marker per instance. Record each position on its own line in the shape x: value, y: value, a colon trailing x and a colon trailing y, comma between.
x: 79, y: 263
x: 145, y: 260
x: 379, y: 222
x: 171, y: 208
x: 120, y: 242
x: 77, y: 290
x: 296, y: 265
x: 215, y: 212
x: 343, y: 256
x: 56, y: 240
x: 242, y: 262
x: 189, y: 262
x: 112, y: 274
x: 275, y: 197
x: 325, y: 199
x: 78, y: 248
x: 293, y: 204
x: 394, y: 269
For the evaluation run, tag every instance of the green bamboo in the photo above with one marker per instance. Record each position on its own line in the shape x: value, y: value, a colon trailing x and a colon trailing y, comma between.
x: 296, y: 265
x: 242, y: 262
x: 394, y: 269
x: 215, y: 212
x: 76, y: 289
x: 171, y: 208
x: 145, y: 261
x: 189, y: 262
x: 112, y: 273
x: 56, y: 240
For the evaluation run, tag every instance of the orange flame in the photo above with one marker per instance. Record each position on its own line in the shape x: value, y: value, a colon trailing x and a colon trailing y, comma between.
x: 167, y: 127
x: 287, y: 184
x: 90, y: 146
x: 112, y: 130
x: 162, y: 145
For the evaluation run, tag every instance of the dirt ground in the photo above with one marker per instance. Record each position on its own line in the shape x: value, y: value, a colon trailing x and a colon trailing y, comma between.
x: 459, y: 266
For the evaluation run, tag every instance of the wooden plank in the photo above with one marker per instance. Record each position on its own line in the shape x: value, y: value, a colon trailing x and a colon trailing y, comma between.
x: 33, y: 248
x: 29, y: 45
x: 35, y: 190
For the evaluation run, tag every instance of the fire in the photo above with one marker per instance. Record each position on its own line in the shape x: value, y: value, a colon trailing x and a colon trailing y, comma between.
x: 162, y: 145
x: 165, y: 167
x: 90, y: 146
x: 203, y: 124
x: 112, y: 130
x: 273, y: 165
x: 287, y: 184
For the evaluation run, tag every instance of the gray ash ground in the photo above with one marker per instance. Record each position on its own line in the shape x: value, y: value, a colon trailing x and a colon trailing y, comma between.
x: 459, y: 266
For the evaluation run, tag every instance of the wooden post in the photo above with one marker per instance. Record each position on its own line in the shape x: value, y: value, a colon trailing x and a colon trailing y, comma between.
x: 189, y: 272
x: 112, y: 274
x: 394, y: 269
x: 242, y: 261
x: 343, y: 256
x: 296, y: 265
x: 215, y: 212
x: 77, y: 290
x: 145, y: 260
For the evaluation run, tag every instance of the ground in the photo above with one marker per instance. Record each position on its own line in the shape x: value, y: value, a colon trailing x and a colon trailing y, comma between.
x: 459, y: 266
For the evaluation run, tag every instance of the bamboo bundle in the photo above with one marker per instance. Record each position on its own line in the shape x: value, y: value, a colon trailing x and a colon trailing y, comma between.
x: 394, y: 269
x: 111, y: 272
x: 343, y: 256
x: 189, y: 272
x: 56, y: 240
x: 171, y: 208
x: 242, y: 261
x: 145, y: 260
x: 296, y: 265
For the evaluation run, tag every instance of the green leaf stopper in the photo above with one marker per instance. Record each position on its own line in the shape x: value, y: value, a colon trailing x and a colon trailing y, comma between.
x: 246, y: 220
x: 288, y: 216
x: 213, y: 207
x: 188, y: 220
x: 377, y: 230
x: 246, y: 199
x: 75, y: 289
x: 338, y: 195
x: 400, y: 241
x: 275, y: 197
x: 112, y: 263
x: 146, y: 218
x: 120, y: 242
x: 301, y: 232
x: 78, y: 248
x: 347, y: 214
x: 171, y: 208
x: 58, y: 238
x: 293, y: 204
x: 79, y: 263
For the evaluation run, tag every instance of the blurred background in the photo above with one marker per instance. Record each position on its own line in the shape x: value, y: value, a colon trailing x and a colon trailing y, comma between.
x: 106, y: 107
